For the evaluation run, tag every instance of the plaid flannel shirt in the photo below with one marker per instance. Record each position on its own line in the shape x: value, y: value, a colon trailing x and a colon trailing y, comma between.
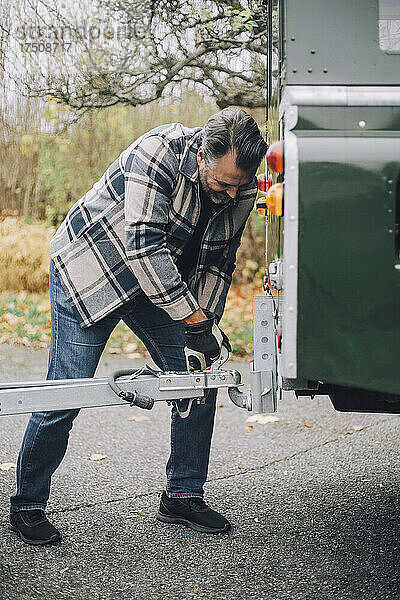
x: 125, y: 235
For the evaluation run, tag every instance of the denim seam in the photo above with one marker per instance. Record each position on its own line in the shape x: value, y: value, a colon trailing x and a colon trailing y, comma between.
x: 56, y: 328
x: 172, y: 466
x: 27, y: 464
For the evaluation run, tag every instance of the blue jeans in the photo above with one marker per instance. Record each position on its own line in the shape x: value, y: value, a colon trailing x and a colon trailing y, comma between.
x: 75, y: 353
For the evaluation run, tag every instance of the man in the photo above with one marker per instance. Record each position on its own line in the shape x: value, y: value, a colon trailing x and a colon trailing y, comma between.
x: 152, y: 243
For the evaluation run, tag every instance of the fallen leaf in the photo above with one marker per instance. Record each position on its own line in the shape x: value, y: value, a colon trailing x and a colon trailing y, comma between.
x: 188, y: 529
x: 195, y: 590
x: 220, y: 405
x: 249, y: 426
x: 353, y: 429
x: 325, y: 583
x: 64, y: 569
x: 7, y: 466
x: 22, y: 306
x: 256, y: 520
x: 133, y: 516
x: 139, y: 418
x: 307, y: 425
x: 263, y: 419
x: 97, y: 457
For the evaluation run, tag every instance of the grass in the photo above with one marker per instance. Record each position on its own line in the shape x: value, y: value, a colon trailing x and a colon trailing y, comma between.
x: 25, y: 320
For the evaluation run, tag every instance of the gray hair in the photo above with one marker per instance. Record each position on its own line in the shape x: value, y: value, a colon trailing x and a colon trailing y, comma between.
x: 233, y: 130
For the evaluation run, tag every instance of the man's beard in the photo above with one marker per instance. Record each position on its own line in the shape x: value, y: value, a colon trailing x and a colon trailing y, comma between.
x: 216, y: 197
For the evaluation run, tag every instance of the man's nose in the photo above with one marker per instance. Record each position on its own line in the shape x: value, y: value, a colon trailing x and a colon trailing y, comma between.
x: 232, y: 192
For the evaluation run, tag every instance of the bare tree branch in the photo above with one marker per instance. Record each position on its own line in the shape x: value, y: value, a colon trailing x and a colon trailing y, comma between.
x: 219, y: 45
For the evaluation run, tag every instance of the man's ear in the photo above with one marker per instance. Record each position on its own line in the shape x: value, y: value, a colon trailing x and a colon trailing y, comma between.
x: 200, y: 155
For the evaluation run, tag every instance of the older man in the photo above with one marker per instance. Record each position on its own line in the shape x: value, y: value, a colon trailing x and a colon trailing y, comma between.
x: 152, y: 243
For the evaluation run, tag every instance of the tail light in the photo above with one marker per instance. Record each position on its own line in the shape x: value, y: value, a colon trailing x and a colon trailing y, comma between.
x: 275, y: 157
x: 274, y: 199
x: 262, y: 183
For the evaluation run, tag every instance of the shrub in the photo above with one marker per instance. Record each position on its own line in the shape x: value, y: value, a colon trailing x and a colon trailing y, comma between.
x: 24, y: 255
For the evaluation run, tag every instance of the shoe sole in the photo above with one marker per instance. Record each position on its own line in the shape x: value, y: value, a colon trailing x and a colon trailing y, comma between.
x: 53, y: 540
x: 181, y: 521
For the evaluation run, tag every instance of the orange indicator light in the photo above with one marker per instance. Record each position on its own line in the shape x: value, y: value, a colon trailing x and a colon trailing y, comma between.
x: 274, y: 199
x: 275, y: 157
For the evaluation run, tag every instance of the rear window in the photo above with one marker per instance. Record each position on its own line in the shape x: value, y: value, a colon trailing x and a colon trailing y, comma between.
x: 389, y: 26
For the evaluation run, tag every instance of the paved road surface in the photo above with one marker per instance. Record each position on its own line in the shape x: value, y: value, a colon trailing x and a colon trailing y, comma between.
x: 315, y: 509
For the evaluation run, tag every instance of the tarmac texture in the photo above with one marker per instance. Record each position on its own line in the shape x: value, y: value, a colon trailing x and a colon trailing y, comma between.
x: 313, y: 499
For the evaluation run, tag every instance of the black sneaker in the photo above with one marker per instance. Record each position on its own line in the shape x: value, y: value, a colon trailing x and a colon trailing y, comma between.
x: 192, y: 512
x: 33, y: 527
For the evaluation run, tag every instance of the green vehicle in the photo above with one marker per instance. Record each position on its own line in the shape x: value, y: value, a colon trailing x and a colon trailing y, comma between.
x: 333, y: 257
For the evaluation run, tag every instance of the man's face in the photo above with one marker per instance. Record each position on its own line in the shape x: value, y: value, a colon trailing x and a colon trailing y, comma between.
x: 222, y: 183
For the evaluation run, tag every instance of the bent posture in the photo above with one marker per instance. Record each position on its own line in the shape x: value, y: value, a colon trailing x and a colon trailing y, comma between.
x: 152, y: 243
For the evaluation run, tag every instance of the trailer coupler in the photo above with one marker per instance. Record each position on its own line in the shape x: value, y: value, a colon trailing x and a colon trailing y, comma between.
x: 140, y: 387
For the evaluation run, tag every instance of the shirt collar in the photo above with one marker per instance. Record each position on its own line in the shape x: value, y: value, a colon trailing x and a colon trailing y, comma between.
x: 188, y: 166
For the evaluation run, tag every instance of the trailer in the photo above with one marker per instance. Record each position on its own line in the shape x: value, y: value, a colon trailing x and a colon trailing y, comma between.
x: 329, y: 321
x: 333, y: 203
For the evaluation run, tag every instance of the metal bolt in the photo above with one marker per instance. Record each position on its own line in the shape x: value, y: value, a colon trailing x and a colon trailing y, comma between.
x: 390, y: 210
x: 294, y: 71
x: 325, y: 70
x: 397, y: 267
x: 312, y: 51
x: 197, y: 378
x: 292, y: 38
x: 361, y: 124
x: 168, y: 381
x: 291, y: 267
x: 390, y: 181
x: 291, y: 309
x: 264, y: 323
x: 265, y: 356
x: 222, y: 377
x: 292, y: 218
x: 264, y: 340
x: 309, y: 70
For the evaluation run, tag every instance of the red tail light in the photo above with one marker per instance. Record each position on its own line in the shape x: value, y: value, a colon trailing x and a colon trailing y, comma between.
x: 262, y: 182
x: 275, y: 157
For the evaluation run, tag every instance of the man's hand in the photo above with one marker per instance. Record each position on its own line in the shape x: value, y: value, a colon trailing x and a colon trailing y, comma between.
x: 204, y: 340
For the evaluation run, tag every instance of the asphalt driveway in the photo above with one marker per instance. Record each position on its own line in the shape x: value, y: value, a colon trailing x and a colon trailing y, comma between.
x: 313, y: 497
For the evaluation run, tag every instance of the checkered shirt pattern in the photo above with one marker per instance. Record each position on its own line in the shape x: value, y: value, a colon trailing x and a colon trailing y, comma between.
x: 125, y: 235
